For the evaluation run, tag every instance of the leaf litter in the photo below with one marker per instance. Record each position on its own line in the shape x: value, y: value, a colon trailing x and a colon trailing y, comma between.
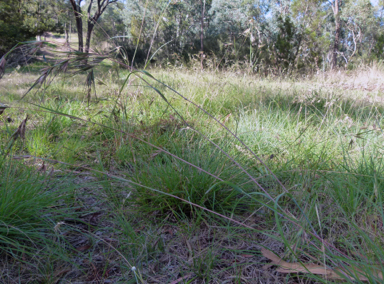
x: 337, y: 273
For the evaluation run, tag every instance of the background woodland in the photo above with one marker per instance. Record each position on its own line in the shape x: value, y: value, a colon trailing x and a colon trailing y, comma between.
x: 261, y: 36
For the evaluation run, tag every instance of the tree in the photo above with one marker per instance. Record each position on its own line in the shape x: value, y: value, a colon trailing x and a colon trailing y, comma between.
x: 66, y: 18
x: 236, y: 23
x: 93, y: 15
x: 287, y: 44
x: 111, y: 24
x: 335, y: 4
x: 361, y: 28
x: 271, y: 35
x: 311, y: 18
x: 202, y: 3
x: 76, y: 5
x: 12, y: 29
x: 171, y: 27
x: 42, y: 16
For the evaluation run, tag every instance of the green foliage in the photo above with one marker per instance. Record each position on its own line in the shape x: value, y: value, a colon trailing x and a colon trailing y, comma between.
x: 287, y: 43
x: 378, y: 49
x: 12, y: 28
x: 110, y: 24
x: 26, y: 213
x: 23, y: 20
x: 265, y: 37
x: 42, y: 16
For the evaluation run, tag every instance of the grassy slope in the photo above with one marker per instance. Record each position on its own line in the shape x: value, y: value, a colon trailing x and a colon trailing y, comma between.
x: 322, y: 139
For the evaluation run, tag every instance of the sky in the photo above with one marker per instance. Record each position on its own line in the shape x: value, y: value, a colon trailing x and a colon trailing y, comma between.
x: 375, y: 2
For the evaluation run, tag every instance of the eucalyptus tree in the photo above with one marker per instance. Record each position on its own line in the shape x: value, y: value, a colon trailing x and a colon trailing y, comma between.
x: 311, y: 18
x: 241, y: 24
x: 172, y: 25
x: 111, y: 25
x: 362, y: 27
x: 336, y: 6
x: 94, y: 9
x: 66, y: 18
x: 354, y: 24
x: 140, y: 17
x: 144, y: 21
x: 230, y: 19
x: 200, y: 19
x: 276, y: 34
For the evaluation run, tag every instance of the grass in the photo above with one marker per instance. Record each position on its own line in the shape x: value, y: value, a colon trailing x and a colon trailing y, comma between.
x: 31, y: 205
x: 188, y: 202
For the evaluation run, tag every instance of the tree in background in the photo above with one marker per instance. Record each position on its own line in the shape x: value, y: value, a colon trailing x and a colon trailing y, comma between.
x: 288, y: 43
x: 232, y: 29
x: 110, y: 25
x: 12, y: 29
x: 93, y: 14
x: 336, y: 5
x: 263, y: 36
x: 23, y: 20
x: 42, y: 16
x: 66, y: 18
x: 151, y: 25
x: 202, y: 19
x: 361, y: 30
x: 310, y: 18
x: 76, y: 6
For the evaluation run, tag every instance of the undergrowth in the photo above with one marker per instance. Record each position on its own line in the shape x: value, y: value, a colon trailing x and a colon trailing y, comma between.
x: 165, y: 188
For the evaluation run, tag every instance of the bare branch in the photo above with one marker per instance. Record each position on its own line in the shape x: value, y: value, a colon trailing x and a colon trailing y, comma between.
x: 89, y: 9
x: 102, y: 4
x: 354, y: 41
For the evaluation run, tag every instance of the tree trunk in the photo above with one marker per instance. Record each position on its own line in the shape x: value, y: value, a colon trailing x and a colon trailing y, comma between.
x: 101, y: 6
x: 88, y: 39
x: 66, y: 34
x: 336, y: 45
x: 79, y: 23
x: 79, y: 26
x: 337, y: 34
x: 202, y: 33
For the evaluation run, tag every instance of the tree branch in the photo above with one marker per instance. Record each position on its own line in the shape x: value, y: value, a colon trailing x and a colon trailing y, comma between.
x: 99, y: 5
x: 76, y: 7
x: 102, y: 4
x: 89, y: 9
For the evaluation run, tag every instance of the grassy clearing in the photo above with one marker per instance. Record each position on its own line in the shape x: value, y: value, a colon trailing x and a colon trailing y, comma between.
x: 126, y: 202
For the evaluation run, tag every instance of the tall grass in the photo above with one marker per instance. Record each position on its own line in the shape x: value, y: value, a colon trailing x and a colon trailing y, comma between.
x: 316, y: 186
